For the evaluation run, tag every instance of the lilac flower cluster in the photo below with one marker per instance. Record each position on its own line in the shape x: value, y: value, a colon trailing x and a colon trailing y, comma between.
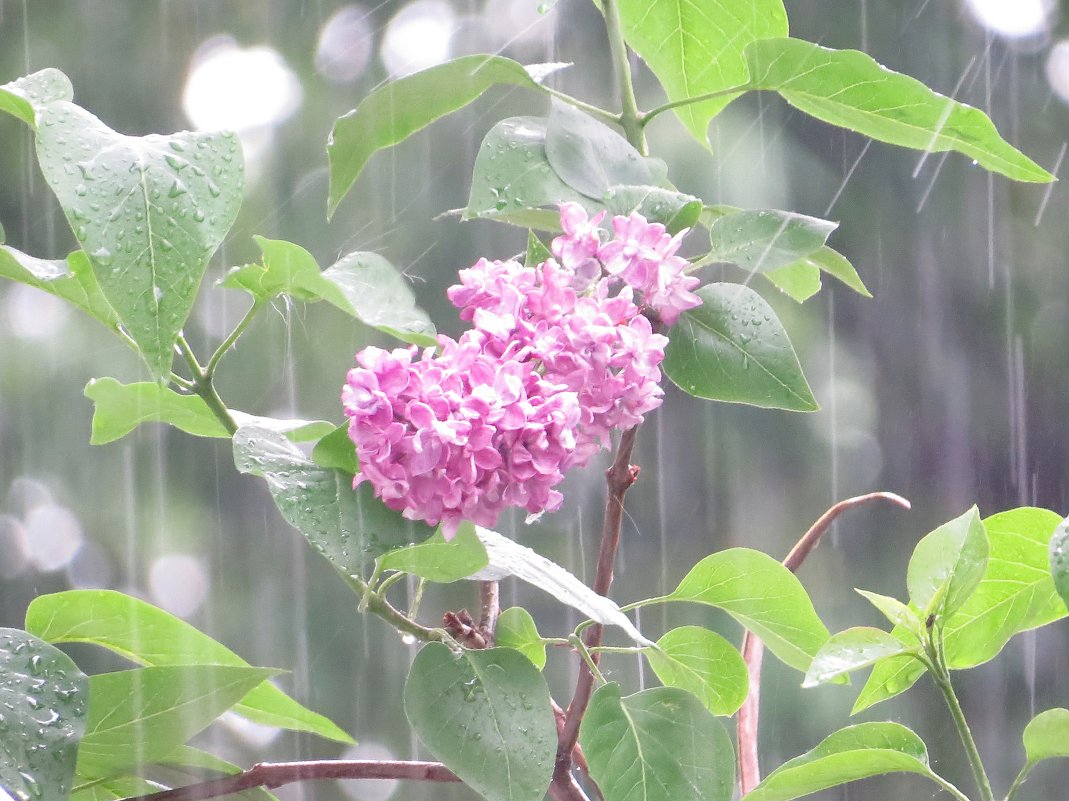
x: 558, y: 356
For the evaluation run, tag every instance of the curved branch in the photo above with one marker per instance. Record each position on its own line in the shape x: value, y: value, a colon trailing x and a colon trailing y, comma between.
x: 276, y: 774
x: 753, y: 649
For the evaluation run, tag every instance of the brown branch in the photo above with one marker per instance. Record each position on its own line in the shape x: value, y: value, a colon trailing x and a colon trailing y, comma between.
x: 753, y: 649
x: 275, y: 774
x: 619, y: 477
x: 489, y: 609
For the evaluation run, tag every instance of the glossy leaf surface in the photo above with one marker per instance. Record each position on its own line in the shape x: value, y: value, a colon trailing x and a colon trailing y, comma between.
x: 856, y: 752
x: 149, y: 636
x: 763, y: 596
x: 697, y: 48
x: 703, y: 663
x: 439, y: 560
x: 486, y: 715
x: 43, y: 700
x: 763, y: 240
x: 397, y: 109
x: 516, y: 629
x: 734, y: 348
x: 849, y: 89
x: 850, y: 650
x: 71, y: 280
x: 947, y: 565
x: 1047, y: 735
x: 120, y: 408
x: 656, y: 745
x: 1059, y: 560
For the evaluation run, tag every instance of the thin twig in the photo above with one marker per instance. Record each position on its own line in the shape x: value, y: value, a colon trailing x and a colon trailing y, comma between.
x: 276, y: 774
x: 753, y: 649
x: 619, y: 477
x: 489, y: 609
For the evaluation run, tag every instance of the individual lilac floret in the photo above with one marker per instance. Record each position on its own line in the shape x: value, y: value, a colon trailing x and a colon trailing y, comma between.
x: 643, y: 255
x: 460, y: 435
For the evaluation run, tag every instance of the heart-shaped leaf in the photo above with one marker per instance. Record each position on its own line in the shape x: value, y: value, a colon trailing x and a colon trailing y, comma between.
x: 516, y: 629
x: 439, y: 560
x: 703, y: 663
x: 947, y: 565
x: 120, y: 408
x: 71, y: 280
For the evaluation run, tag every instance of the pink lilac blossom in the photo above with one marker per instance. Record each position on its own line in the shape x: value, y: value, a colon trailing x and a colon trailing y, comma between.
x: 559, y: 355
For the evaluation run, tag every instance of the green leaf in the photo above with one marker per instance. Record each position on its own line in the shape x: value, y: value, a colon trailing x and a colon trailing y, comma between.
x: 856, y: 752
x: 763, y: 596
x: 114, y: 789
x: 516, y: 629
x: 675, y: 210
x: 947, y: 565
x: 140, y: 716
x: 513, y: 182
x: 703, y: 663
x: 892, y: 676
x: 1047, y: 735
x: 294, y: 430
x: 853, y: 649
x: 149, y: 636
x: 1016, y: 592
x: 767, y: 239
x: 349, y: 527
x: 337, y: 451
x: 1059, y: 561
x: 895, y: 611
x: 71, y: 280
x: 188, y: 757
x: 43, y: 699
x: 149, y: 212
x: 656, y: 745
x: 799, y: 281
x: 838, y: 266
x: 508, y: 558
x: 590, y: 157
x: 363, y: 285
x: 697, y: 48
x: 21, y: 97
x: 439, y: 560
x: 733, y: 348
x: 120, y: 408
x: 536, y: 251
x: 396, y: 110
x: 849, y: 89
x: 486, y: 715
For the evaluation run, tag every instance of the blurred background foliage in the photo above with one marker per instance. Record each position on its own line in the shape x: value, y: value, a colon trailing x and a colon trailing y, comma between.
x: 950, y: 386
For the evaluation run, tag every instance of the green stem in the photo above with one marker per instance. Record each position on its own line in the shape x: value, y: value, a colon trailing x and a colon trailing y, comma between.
x: 617, y: 649
x: 228, y: 343
x: 174, y: 378
x: 580, y: 646
x: 942, y: 680
x: 592, y: 110
x: 660, y: 599
x: 1019, y: 780
x: 950, y: 788
x: 686, y: 101
x: 202, y: 385
x: 630, y: 117
x: 377, y: 605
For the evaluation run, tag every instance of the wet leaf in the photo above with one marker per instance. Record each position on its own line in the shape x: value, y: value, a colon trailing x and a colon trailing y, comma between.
x: 674, y: 210
x: 120, y: 408
x: 762, y: 240
x: 1016, y: 592
x: 856, y: 752
x: 895, y: 611
x: 799, y: 281
x: 656, y: 745
x: 337, y: 451
x: 853, y: 649
x: 140, y: 716
x: 43, y: 698
x: 591, y: 157
x: 762, y: 595
x: 152, y: 637
x: 516, y: 629
x: 22, y: 97
x: 439, y: 560
x: 349, y: 527
x: 115, y: 789
x: 734, y: 348
x: 513, y: 182
x: 486, y: 715
x: 849, y: 89
x: 186, y: 757
x: 697, y: 48
x: 947, y: 565
x: 1047, y: 735
x: 71, y: 280
x: 294, y: 430
x: 508, y: 558
x: 892, y: 676
x: 536, y: 251
x: 397, y: 109
x: 838, y: 266
x: 363, y: 285
x: 704, y: 664
x: 148, y: 211
x: 1059, y: 561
